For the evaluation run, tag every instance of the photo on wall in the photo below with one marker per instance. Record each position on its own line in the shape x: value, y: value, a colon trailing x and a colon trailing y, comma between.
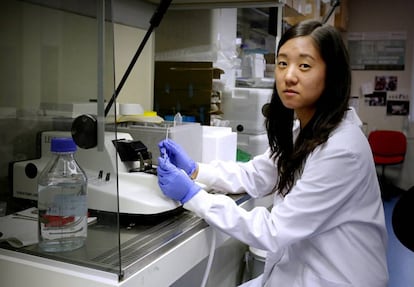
x: 376, y: 99
x: 398, y: 104
x: 386, y: 83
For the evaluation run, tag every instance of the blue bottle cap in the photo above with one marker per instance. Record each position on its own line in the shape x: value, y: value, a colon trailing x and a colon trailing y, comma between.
x: 62, y: 145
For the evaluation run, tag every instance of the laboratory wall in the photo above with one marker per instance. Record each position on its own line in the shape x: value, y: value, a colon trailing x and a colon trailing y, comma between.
x: 385, y: 16
x: 382, y: 16
x: 44, y: 50
x: 138, y: 88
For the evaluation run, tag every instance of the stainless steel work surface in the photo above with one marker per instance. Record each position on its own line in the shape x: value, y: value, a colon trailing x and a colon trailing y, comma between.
x: 130, y: 248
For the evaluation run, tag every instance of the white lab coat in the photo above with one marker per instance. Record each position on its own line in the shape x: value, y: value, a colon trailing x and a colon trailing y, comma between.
x: 329, y: 231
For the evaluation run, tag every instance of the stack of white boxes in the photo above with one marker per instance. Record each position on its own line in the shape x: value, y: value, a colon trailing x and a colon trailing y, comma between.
x: 242, y: 107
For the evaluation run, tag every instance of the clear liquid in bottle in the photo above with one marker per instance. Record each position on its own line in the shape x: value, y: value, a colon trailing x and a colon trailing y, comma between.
x: 62, y: 200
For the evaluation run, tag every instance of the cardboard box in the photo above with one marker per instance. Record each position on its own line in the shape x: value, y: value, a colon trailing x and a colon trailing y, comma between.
x: 340, y: 17
x: 305, y: 9
x: 184, y: 87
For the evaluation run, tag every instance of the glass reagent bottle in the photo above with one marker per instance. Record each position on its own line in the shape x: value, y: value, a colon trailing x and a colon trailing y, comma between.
x: 62, y: 200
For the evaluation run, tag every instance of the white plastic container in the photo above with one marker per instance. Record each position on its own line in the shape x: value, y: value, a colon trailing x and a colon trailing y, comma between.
x: 219, y: 143
x: 254, y: 263
x: 242, y: 107
x: 252, y: 144
x: 258, y: 258
x: 253, y: 66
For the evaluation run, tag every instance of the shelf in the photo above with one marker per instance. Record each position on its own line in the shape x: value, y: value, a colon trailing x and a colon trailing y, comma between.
x: 211, y: 4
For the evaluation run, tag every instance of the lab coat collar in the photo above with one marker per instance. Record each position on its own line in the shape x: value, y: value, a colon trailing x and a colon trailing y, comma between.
x: 353, y: 117
x: 350, y: 116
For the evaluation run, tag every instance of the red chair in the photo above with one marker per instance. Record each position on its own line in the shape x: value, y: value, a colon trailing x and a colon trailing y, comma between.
x: 388, y: 148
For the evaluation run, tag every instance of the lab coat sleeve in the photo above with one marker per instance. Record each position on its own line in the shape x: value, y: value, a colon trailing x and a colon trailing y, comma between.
x: 316, y: 203
x: 236, y: 177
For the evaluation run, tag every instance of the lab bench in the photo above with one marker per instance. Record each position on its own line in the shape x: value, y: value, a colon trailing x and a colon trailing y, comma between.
x: 147, y: 255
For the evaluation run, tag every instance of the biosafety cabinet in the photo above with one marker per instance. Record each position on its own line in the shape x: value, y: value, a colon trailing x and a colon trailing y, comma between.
x: 63, y: 67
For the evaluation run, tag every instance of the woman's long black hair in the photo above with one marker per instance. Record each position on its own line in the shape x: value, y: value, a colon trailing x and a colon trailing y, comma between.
x: 330, y: 107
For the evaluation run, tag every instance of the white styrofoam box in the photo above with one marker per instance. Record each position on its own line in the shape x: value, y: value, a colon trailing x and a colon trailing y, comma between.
x: 219, y: 143
x: 242, y: 107
x: 253, y: 144
x: 188, y: 136
x: 130, y: 109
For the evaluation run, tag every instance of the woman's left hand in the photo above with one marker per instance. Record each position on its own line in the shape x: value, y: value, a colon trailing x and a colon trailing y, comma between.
x: 174, y: 182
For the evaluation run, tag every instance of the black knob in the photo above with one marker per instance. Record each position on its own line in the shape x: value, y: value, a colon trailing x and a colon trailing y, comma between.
x: 85, y: 131
x: 30, y: 170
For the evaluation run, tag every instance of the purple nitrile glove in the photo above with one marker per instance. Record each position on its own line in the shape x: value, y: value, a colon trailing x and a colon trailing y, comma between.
x: 177, y: 155
x: 174, y: 183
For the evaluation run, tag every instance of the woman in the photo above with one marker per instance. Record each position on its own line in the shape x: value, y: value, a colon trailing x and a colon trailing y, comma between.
x: 326, y: 227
